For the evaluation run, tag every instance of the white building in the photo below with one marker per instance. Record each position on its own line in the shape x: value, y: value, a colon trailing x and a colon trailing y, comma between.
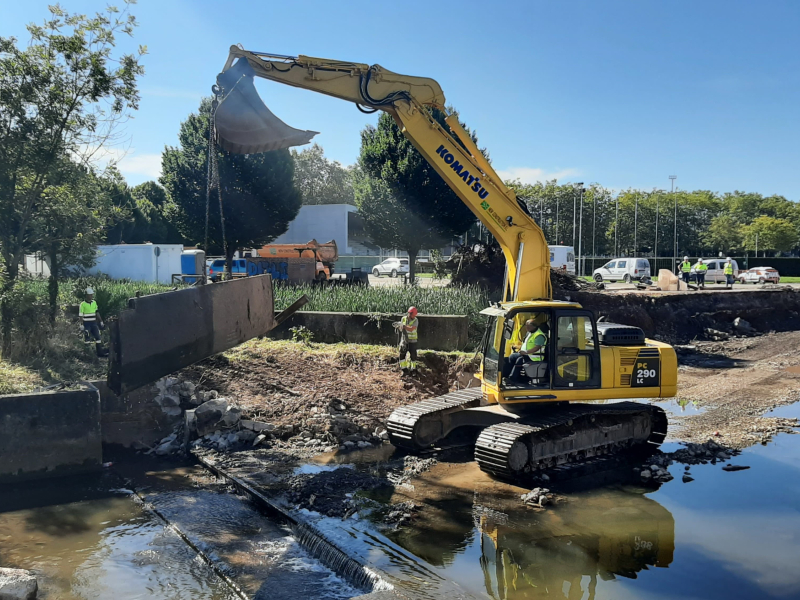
x: 139, y: 262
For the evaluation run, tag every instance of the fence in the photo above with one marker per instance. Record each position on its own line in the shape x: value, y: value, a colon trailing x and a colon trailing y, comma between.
x: 788, y: 266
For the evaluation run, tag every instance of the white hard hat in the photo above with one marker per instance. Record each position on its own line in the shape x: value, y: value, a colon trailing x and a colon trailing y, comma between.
x: 728, y: 259
x: 89, y: 291
x: 685, y: 258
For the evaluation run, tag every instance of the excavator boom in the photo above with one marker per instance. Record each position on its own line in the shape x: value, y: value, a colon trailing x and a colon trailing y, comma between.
x: 408, y: 99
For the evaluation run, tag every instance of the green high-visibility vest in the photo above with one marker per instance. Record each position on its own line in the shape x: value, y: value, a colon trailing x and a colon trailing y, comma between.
x: 701, y: 267
x: 686, y: 266
x: 531, y: 341
x: 88, y: 311
x: 728, y: 268
x: 412, y: 335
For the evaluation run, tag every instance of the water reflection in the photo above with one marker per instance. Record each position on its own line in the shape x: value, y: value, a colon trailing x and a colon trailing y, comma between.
x: 563, y: 553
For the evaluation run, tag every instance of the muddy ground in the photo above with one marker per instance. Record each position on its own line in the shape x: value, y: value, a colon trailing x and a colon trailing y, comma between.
x: 347, y: 394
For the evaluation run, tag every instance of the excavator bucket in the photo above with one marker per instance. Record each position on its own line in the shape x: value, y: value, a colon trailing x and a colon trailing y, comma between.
x: 244, y: 124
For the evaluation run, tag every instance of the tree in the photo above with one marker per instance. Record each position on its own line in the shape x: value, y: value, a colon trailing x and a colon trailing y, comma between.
x: 147, y: 215
x: 259, y: 196
x: 724, y: 234
x: 69, y: 222
x: 322, y: 181
x: 769, y: 233
x: 62, y: 96
x: 412, y: 206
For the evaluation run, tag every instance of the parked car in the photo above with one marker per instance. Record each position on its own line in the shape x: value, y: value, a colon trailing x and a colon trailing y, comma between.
x: 217, y: 268
x: 623, y: 269
x: 716, y: 270
x: 759, y: 275
x: 391, y: 267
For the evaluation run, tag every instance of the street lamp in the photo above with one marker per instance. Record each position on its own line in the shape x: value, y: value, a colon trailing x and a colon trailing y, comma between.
x: 655, y: 244
x: 574, y: 212
x: 580, y: 235
x: 672, y: 179
x: 635, y: 223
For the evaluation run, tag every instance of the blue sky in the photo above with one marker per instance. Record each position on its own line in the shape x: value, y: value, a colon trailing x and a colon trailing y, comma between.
x: 623, y: 93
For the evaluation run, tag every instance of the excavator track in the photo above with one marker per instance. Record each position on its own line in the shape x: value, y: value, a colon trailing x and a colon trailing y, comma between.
x: 421, y: 424
x: 568, y: 434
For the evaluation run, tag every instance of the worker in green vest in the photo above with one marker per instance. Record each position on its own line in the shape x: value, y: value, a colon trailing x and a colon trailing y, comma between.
x: 409, y: 334
x: 92, y: 322
x: 686, y: 268
x: 533, y: 349
x: 700, y: 269
x: 728, y: 274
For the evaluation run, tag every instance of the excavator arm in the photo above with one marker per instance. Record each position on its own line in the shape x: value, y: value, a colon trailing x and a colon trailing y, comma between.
x: 407, y: 99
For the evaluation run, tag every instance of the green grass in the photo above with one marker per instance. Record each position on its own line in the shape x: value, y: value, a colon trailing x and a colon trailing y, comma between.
x: 462, y: 300
x: 790, y: 280
x: 111, y: 295
x: 17, y: 379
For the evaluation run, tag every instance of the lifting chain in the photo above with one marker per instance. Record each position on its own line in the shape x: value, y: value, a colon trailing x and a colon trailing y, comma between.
x: 212, y: 181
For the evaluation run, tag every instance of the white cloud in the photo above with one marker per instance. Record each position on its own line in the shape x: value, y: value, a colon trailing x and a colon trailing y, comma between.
x: 532, y: 174
x: 141, y: 164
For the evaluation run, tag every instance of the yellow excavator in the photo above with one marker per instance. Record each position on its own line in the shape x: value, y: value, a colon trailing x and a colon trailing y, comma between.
x: 545, y: 414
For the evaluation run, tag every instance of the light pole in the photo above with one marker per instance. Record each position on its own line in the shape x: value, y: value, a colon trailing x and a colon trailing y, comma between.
x: 557, y: 242
x: 635, y: 223
x: 655, y: 244
x: 616, y: 227
x: 594, y: 223
x: 672, y: 179
x: 574, y: 211
x: 580, y: 236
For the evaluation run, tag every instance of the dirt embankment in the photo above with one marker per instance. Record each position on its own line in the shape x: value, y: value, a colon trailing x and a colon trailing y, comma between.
x: 331, y: 392
x: 680, y: 317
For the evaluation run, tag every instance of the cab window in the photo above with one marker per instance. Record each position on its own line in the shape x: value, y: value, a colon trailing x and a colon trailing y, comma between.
x: 622, y: 264
x: 575, y: 352
x: 611, y: 265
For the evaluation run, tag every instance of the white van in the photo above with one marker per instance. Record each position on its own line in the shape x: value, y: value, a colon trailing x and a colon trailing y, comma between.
x: 623, y: 269
x: 716, y: 270
x: 562, y: 257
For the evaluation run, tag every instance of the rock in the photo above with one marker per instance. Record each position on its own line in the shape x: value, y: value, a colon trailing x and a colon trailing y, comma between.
x: 189, y: 387
x: 646, y: 474
x: 17, y: 584
x: 363, y: 445
x: 163, y: 450
x: 233, y: 438
x: 256, y: 426
x: 741, y: 325
x: 722, y: 456
x: 687, y: 478
x: 168, y: 400
x: 208, y: 414
x: 349, y: 444
x: 246, y: 435
x: 232, y: 416
x: 384, y: 435
x: 734, y: 468
x: 170, y: 438
x: 260, y: 438
x: 544, y: 477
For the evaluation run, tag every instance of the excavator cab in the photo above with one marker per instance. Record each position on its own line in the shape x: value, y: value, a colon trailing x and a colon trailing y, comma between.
x: 572, y: 355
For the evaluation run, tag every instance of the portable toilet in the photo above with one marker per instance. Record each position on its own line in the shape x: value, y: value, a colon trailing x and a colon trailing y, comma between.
x: 193, y: 262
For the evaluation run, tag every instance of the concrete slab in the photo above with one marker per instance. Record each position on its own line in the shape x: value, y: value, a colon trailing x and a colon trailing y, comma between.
x: 163, y: 333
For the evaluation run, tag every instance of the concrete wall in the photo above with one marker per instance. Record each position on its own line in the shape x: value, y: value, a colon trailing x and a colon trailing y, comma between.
x: 322, y: 222
x: 436, y: 332
x: 138, y: 262
x: 49, y: 434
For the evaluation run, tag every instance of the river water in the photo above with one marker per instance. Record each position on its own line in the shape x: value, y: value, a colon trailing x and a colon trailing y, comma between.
x: 92, y: 537
x: 731, y: 535
x: 724, y: 535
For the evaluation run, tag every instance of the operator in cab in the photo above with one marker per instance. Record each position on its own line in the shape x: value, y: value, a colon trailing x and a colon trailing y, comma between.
x: 533, y: 349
